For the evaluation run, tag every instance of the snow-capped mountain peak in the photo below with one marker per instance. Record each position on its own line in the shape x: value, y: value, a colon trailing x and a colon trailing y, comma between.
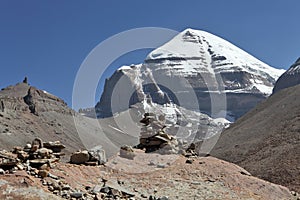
x: 190, y: 61
x: 195, y: 51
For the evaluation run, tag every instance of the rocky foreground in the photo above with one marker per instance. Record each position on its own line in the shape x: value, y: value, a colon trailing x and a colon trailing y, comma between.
x: 146, y: 176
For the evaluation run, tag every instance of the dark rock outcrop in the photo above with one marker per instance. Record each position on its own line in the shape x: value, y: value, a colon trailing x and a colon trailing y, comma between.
x: 290, y: 78
x: 28, y: 99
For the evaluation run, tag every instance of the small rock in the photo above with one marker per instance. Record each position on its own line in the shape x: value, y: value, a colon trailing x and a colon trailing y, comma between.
x: 2, y: 171
x: 294, y: 193
x: 152, y: 197
x: 151, y: 163
x: 56, y: 192
x: 144, y: 196
x: 53, y: 176
x: 65, y: 195
x: 116, y: 192
x: 56, y: 186
x: 28, y: 146
x: 189, y: 161
x: 244, y: 172
x: 44, y: 153
x: 88, y: 187
x: 120, y: 182
x: 163, y: 198
x: 51, y: 188
x: 44, y: 182
x: 76, y: 195
x: 66, y: 187
x: 105, y: 190
x: 161, y: 166
x: 35, y: 171
x: 22, y: 155
x: 43, y: 173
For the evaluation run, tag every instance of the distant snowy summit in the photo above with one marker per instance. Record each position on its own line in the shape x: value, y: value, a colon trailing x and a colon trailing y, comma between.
x: 193, y: 64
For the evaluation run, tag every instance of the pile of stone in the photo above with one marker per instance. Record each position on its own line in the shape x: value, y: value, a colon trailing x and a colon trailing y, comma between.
x: 36, y: 158
x: 111, y: 190
x: 92, y: 157
x: 153, y: 137
x: 105, y: 190
x: 191, y: 151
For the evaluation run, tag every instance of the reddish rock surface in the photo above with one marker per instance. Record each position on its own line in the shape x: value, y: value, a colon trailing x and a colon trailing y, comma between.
x: 156, y: 175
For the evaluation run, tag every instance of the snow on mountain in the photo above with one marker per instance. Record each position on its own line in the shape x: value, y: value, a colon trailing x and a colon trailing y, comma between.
x: 295, y: 68
x: 194, y: 51
x: 193, y: 64
x: 290, y: 78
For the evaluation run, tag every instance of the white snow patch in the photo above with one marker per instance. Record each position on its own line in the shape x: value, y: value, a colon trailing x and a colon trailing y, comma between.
x: 192, y: 47
x: 124, y: 67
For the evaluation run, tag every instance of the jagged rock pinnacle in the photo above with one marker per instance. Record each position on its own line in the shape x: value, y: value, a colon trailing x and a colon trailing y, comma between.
x: 25, y: 80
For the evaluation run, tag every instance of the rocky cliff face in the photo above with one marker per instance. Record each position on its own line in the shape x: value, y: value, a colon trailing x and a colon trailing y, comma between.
x: 192, y: 63
x: 290, y: 78
x: 23, y: 97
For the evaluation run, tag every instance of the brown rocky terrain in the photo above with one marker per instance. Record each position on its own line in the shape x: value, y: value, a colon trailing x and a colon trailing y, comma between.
x: 27, y: 112
x: 38, y: 170
x: 148, y: 176
x: 266, y: 141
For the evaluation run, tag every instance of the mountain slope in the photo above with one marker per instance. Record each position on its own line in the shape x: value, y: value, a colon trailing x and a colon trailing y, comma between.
x: 266, y: 141
x: 192, y: 63
x: 290, y: 78
x: 27, y: 112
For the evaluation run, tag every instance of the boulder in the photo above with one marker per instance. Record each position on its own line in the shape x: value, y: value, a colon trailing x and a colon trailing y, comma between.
x: 80, y: 157
x: 44, y: 153
x: 56, y: 146
x: 97, y: 154
x: 127, y: 152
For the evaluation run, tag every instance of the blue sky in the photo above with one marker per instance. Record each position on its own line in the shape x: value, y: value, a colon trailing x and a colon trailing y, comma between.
x: 48, y: 40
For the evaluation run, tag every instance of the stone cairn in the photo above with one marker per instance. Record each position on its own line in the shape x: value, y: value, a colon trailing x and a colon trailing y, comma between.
x: 36, y: 158
x: 153, y: 137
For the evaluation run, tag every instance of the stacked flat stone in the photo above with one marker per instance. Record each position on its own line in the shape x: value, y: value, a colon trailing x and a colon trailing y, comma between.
x: 153, y: 137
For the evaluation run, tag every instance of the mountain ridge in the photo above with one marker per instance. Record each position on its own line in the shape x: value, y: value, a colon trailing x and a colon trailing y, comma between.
x: 290, y: 78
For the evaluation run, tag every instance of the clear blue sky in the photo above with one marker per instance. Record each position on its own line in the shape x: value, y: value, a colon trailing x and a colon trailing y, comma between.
x: 48, y: 40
